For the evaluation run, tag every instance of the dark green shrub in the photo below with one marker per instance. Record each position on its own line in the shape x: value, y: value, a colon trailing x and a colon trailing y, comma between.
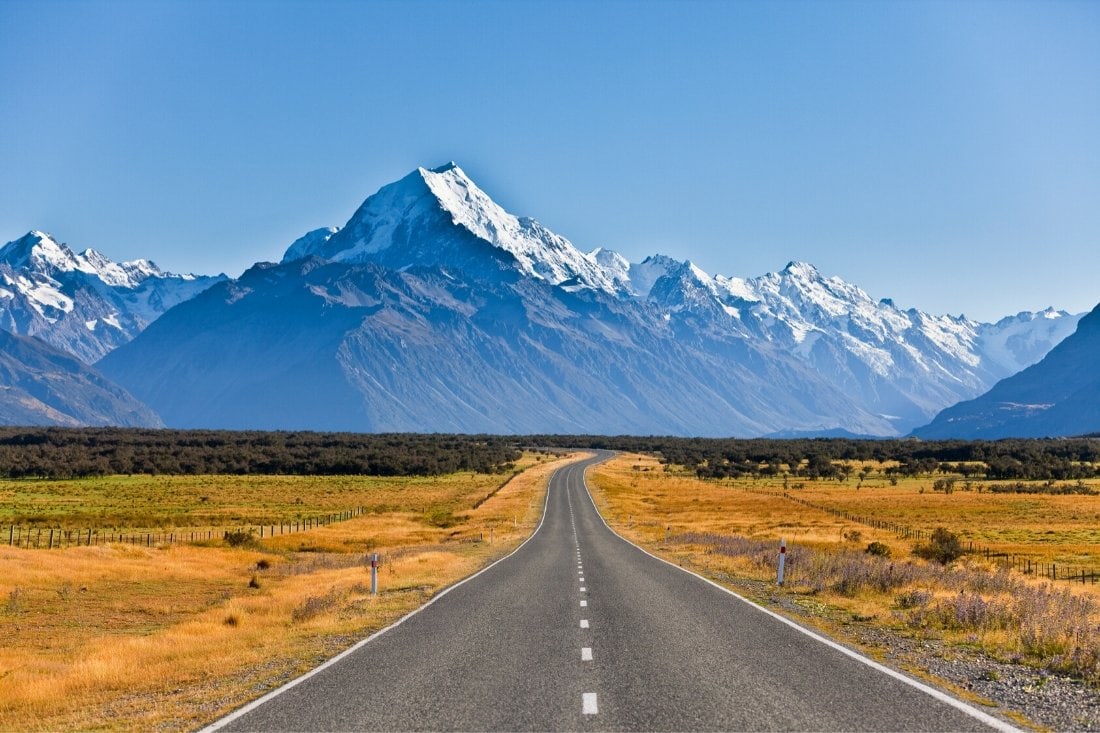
x: 943, y: 547
x: 239, y: 537
x: 878, y: 549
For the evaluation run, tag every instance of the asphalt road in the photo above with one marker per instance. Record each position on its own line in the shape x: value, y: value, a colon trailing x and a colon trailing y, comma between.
x: 580, y: 630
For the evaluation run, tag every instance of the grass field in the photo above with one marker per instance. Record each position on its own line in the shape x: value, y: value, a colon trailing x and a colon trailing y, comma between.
x: 153, y: 502
x: 120, y: 637
x: 731, y: 530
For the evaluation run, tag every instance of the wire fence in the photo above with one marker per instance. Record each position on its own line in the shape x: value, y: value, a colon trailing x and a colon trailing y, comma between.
x: 1020, y: 563
x: 49, y: 538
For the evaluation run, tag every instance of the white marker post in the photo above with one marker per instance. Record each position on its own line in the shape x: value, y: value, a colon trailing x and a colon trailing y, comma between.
x: 782, y: 559
x: 374, y: 574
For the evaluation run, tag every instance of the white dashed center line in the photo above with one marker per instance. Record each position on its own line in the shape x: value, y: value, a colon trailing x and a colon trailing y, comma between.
x: 586, y: 654
x: 588, y: 704
x: 584, y: 604
x: 584, y: 623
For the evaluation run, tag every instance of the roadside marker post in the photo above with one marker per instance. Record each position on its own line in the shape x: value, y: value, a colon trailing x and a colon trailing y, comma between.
x: 782, y: 559
x: 374, y: 574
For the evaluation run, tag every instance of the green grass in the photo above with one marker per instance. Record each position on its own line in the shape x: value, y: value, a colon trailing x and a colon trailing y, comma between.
x: 158, y: 502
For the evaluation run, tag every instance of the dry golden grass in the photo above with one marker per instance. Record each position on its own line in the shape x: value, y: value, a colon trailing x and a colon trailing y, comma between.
x: 1049, y: 528
x: 130, y: 638
x: 639, y: 496
x: 643, y: 502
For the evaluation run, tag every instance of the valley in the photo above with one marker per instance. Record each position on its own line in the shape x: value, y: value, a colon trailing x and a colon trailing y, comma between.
x: 434, y: 309
x: 131, y: 637
x: 89, y: 623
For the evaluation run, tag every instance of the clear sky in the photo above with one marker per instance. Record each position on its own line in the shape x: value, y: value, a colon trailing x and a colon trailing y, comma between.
x: 944, y: 154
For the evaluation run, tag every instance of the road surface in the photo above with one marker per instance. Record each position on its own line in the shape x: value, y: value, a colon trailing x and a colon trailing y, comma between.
x: 580, y: 630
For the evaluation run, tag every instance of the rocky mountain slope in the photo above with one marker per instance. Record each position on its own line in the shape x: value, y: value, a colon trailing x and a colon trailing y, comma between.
x: 434, y: 309
x: 41, y: 385
x: 85, y: 303
x: 1059, y: 396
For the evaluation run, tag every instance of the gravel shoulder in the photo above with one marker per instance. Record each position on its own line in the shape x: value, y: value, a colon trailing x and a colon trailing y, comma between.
x: 1021, y: 694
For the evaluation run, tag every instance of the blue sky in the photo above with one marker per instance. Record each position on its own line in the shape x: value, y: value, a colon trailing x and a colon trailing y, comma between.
x: 946, y: 155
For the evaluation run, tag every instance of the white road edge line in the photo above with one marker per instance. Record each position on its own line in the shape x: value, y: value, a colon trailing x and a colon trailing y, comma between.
x: 240, y: 712
x: 991, y: 721
x: 588, y: 704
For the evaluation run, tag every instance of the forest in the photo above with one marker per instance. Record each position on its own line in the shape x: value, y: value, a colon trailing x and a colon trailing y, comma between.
x: 1059, y: 459
x: 84, y: 452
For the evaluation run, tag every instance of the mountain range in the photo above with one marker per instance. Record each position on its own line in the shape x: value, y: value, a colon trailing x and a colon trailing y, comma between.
x: 1060, y: 395
x: 85, y: 304
x: 434, y: 309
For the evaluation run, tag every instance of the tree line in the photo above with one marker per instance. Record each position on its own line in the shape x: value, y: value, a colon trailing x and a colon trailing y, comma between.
x: 1022, y: 459
x: 84, y: 452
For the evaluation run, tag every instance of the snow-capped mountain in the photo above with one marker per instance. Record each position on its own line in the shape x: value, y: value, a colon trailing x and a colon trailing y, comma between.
x: 314, y: 344
x: 1058, y: 396
x: 440, y: 217
x: 85, y: 304
x: 433, y: 309
x: 904, y: 365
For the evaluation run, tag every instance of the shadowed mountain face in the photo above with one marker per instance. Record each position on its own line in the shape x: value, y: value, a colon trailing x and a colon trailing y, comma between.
x: 1059, y: 396
x: 338, y: 346
x: 433, y: 309
x: 40, y: 385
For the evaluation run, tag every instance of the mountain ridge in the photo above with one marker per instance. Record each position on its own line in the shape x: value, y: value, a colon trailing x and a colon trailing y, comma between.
x: 426, y: 258
x: 84, y: 304
x: 1057, y: 396
x: 41, y: 385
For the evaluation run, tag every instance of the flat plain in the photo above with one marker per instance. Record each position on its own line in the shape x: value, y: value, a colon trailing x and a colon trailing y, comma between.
x: 729, y: 530
x: 124, y: 637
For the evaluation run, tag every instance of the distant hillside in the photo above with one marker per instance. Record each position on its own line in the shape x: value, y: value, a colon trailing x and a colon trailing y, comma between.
x: 40, y: 385
x: 434, y: 309
x: 1059, y: 396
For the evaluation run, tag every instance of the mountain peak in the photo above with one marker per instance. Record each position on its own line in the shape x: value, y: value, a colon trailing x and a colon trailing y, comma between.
x: 310, y: 243
x: 450, y: 166
x: 801, y: 269
x: 41, y: 252
x: 427, y: 217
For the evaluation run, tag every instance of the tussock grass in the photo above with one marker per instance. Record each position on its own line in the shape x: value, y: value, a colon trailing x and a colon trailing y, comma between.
x: 723, y: 530
x: 134, y: 638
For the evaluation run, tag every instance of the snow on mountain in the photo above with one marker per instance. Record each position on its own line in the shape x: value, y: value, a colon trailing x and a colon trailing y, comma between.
x: 1016, y: 342
x: 904, y: 365
x: 85, y: 304
x: 310, y: 243
x: 1057, y: 396
x: 359, y: 346
x: 439, y: 217
x: 615, y: 267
